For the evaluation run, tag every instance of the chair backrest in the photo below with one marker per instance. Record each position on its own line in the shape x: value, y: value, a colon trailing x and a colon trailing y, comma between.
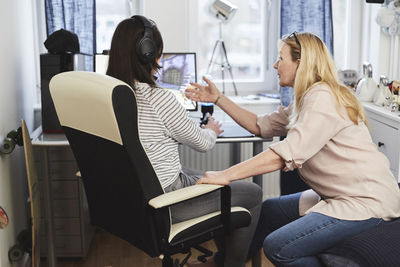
x: 99, y: 116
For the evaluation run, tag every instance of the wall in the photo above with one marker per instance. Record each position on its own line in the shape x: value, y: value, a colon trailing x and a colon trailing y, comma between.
x: 18, y: 82
x: 173, y: 23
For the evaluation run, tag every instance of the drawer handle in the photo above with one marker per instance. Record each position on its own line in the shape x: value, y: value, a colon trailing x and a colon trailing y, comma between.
x: 381, y: 144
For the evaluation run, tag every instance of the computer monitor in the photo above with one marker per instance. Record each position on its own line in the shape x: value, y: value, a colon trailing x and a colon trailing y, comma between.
x: 178, y: 70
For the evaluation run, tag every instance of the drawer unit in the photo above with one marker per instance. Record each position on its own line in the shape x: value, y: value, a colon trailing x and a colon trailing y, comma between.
x: 73, y: 232
x: 64, y: 226
x: 60, y: 170
x: 65, y: 246
x: 64, y: 208
x: 62, y: 189
x: 387, y: 139
x: 385, y: 132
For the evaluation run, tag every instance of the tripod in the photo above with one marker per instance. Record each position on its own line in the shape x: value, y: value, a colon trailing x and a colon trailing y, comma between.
x: 224, y: 63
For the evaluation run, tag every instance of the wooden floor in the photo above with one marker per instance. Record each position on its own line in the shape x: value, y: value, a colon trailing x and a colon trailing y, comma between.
x: 109, y: 251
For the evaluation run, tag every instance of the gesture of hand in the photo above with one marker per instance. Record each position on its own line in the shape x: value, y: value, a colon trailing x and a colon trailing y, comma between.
x: 203, y: 93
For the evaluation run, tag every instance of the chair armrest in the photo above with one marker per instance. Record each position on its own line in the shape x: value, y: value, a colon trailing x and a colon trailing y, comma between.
x: 182, y: 194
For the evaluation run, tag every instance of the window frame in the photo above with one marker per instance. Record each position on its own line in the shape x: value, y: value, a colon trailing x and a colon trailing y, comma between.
x: 268, y: 81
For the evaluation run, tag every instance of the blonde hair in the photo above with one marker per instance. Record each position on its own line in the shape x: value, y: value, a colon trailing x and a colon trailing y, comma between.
x: 316, y: 66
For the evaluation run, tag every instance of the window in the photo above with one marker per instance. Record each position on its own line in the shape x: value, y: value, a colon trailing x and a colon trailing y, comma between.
x: 352, y: 32
x: 340, y: 24
x: 108, y: 15
x: 250, y: 51
x: 245, y: 40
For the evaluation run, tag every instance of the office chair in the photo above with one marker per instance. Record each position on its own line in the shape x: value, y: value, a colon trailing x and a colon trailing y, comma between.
x: 99, y: 116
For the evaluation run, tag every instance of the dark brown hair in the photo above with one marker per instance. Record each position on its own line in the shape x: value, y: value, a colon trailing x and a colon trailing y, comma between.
x: 123, y: 62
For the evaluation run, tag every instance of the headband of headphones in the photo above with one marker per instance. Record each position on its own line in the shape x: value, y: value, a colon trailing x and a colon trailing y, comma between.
x: 145, y: 46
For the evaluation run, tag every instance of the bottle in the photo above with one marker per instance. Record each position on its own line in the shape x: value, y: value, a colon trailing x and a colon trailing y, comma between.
x: 366, y: 87
x: 383, y: 95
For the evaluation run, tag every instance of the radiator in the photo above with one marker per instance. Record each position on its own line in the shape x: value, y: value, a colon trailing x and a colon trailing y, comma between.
x: 219, y: 158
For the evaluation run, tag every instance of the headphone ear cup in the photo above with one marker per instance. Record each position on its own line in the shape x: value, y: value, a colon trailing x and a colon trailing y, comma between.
x: 145, y: 46
x: 145, y: 49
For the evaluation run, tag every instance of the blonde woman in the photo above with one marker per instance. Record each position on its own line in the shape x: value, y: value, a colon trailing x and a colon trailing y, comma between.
x: 328, y: 141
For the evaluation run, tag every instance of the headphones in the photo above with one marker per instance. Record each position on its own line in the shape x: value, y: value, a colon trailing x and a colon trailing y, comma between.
x: 145, y: 46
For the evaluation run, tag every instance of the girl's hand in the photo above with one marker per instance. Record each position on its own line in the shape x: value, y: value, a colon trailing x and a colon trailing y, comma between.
x: 214, y: 178
x: 213, y: 125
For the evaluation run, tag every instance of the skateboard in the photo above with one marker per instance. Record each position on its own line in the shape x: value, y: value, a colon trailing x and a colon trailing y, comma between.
x: 28, y: 240
x: 34, y: 195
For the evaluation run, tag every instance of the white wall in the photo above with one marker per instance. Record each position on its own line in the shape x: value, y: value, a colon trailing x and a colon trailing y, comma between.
x: 173, y: 22
x: 18, y: 82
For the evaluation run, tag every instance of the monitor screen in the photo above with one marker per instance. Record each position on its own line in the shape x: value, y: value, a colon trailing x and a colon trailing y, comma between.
x: 178, y: 70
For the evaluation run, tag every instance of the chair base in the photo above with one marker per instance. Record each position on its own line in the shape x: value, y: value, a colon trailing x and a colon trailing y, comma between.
x: 169, y: 262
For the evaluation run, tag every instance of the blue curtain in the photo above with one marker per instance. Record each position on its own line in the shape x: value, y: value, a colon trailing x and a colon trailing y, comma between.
x: 77, y: 16
x: 313, y: 16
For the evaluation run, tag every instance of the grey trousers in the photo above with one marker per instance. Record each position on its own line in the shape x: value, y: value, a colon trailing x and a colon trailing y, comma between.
x: 243, y: 193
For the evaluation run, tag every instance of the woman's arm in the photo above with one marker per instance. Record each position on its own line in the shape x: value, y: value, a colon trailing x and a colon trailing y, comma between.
x: 210, y: 93
x: 265, y: 162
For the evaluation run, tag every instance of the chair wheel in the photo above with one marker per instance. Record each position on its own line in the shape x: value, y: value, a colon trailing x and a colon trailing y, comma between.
x: 15, y: 253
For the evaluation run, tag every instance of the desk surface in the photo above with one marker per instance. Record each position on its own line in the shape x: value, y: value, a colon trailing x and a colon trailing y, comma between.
x: 45, y: 139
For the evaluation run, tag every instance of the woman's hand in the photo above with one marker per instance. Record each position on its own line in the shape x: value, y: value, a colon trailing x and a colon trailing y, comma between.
x: 201, y: 93
x: 213, y: 125
x: 214, y: 178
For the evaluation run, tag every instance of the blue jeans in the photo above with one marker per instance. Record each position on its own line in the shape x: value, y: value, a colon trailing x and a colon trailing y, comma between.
x: 291, y: 240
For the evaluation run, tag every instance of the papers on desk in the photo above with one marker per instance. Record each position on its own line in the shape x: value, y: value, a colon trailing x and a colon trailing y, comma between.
x: 232, y: 129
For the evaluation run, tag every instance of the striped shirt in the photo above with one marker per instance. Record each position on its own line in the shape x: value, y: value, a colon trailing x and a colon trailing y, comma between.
x: 163, y: 124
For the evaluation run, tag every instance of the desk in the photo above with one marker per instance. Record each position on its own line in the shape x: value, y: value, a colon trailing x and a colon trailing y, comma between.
x: 48, y: 142
x: 257, y: 148
x: 66, y: 215
x: 235, y: 142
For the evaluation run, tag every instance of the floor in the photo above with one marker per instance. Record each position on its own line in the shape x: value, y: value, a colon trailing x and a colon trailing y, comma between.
x: 109, y: 251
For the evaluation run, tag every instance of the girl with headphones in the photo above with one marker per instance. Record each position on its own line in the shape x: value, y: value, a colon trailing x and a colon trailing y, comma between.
x: 136, y: 48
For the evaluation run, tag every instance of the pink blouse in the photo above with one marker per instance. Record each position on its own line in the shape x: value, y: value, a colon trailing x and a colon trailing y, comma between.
x: 336, y: 158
